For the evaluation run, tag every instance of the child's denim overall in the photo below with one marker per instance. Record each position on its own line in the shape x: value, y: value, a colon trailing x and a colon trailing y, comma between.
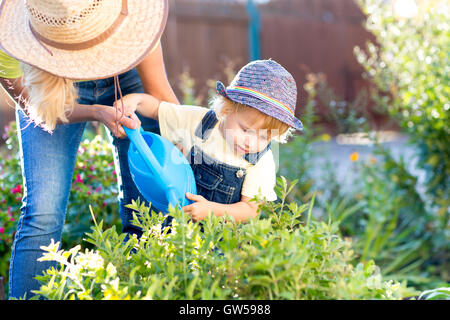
x: 217, y: 181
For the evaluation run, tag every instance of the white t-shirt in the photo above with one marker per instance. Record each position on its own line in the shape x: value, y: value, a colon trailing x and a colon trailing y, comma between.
x: 178, y: 123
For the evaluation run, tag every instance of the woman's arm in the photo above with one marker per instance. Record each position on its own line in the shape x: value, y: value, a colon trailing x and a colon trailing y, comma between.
x: 154, y: 78
x: 240, y: 211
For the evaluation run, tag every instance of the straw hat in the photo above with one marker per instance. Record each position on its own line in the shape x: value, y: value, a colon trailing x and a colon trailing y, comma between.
x: 81, y: 39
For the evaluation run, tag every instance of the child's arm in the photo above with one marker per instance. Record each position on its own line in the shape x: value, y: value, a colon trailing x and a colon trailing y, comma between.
x: 241, y: 211
x: 145, y: 104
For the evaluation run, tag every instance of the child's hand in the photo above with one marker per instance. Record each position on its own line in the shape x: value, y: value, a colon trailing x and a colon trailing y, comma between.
x: 130, y: 104
x: 114, y: 120
x: 180, y: 147
x: 200, y: 209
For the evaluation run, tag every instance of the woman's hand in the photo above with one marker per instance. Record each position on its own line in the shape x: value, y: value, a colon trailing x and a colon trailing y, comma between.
x: 114, y: 119
x: 200, y: 209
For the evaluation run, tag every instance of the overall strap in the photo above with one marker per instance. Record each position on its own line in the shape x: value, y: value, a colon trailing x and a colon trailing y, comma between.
x: 208, y: 122
x: 254, y: 157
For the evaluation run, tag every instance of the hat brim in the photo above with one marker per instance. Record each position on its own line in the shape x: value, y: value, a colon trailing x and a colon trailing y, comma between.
x: 131, y: 42
x: 260, y: 105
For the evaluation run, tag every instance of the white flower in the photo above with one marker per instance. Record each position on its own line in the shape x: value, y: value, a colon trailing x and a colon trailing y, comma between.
x: 90, y: 260
x: 111, y: 270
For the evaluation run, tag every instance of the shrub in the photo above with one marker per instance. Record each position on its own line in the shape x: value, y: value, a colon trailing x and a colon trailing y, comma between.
x: 381, y: 210
x: 392, y: 224
x: 271, y: 257
x: 409, y: 66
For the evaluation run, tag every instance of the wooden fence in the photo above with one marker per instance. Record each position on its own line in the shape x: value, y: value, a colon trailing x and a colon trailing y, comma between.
x: 204, y: 38
x: 305, y: 36
x: 210, y: 37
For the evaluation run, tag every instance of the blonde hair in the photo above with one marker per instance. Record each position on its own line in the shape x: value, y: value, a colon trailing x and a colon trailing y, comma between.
x: 50, y: 98
x: 223, y: 106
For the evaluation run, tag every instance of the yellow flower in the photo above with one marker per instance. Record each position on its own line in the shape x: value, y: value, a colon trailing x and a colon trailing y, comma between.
x: 326, y: 137
x: 354, y: 156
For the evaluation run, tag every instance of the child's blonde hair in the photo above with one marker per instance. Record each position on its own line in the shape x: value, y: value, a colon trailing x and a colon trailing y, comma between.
x: 49, y: 97
x: 223, y: 106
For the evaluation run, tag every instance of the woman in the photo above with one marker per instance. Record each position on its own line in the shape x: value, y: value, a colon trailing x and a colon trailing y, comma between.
x: 60, y: 47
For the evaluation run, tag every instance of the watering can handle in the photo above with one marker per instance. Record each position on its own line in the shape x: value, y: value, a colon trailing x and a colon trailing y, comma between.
x: 137, y: 139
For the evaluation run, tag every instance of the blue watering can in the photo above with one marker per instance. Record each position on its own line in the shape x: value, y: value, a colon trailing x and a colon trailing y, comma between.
x: 160, y: 171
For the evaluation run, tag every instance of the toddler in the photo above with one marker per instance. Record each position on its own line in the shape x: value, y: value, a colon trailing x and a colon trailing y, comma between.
x: 228, y: 146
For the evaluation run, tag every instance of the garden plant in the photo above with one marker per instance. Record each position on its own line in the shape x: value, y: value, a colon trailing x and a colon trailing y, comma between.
x: 409, y: 66
x: 273, y: 257
x: 382, y: 211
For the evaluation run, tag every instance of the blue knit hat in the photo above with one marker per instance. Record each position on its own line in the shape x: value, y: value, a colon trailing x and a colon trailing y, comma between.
x: 266, y: 86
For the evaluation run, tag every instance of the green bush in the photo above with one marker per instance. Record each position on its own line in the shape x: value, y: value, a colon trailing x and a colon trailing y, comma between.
x: 382, y: 211
x: 409, y: 65
x: 392, y: 224
x: 94, y: 183
x: 271, y: 257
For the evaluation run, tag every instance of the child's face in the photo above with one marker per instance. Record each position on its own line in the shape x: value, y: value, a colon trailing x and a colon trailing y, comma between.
x: 243, y: 133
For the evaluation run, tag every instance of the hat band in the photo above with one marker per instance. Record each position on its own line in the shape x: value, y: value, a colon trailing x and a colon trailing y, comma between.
x: 85, y: 44
x: 261, y: 96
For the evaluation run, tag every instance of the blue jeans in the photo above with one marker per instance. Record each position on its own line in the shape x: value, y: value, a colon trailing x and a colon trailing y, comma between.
x: 48, y: 162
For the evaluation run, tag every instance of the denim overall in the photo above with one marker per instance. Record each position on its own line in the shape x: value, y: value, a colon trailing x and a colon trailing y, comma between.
x: 217, y: 181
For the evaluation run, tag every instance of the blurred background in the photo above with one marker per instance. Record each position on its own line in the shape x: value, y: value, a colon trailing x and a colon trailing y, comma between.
x: 205, y: 38
x: 210, y: 39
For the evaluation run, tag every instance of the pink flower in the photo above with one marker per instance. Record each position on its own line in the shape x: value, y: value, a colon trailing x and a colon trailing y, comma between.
x: 98, y: 189
x: 17, y: 189
x: 78, y: 179
x: 2, y: 230
x: 5, y: 134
